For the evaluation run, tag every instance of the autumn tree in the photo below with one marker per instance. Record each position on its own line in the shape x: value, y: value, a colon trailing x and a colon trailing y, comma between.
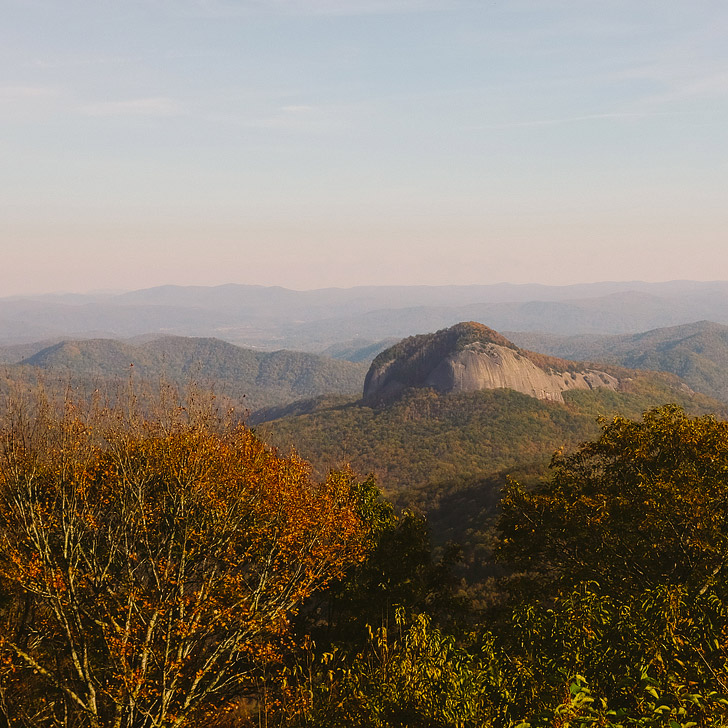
x: 149, y: 566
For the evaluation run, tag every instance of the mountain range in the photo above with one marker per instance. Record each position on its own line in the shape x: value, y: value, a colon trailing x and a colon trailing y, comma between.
x: 274, y: 318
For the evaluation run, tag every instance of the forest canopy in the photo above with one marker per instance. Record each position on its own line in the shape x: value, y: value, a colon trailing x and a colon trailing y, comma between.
x: 164, y: 567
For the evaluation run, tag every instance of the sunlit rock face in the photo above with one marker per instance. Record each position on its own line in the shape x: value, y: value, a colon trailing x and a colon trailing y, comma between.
x: 469, y: 357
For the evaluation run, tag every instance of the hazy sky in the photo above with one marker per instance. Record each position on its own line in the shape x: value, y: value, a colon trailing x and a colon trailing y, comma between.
x: 312, y: 143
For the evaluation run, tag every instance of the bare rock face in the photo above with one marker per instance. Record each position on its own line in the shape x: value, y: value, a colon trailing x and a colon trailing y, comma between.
x: 468, y: 357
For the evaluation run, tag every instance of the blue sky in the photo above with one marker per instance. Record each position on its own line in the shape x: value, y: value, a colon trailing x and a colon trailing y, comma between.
x: 312, y: 143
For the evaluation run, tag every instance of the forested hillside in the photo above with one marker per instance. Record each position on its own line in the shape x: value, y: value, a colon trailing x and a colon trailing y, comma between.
x: 448, y: 455
x: 248, y: 379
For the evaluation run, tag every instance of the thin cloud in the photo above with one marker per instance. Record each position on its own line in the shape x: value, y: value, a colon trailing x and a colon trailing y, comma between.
x: 300, y: 118
x: 28, y: 101
x: 359, y: 7
x: 45, y: 64
x: 229, y: 8
x: 18, y: 93
x: 155, y: 106
x: 558, y: 121
x: 709, y: 87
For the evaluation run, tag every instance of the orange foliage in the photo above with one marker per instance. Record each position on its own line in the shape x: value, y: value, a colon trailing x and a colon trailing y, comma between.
x: 151, y: 566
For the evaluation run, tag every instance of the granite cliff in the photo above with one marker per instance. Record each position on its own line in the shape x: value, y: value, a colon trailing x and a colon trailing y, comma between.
x: 469, y: 357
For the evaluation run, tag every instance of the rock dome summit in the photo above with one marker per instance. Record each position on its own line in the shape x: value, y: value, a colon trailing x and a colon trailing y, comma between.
x: 469, y: 357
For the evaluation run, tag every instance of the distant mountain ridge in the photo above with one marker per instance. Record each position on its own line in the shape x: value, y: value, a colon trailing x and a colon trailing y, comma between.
x: 275, y: 318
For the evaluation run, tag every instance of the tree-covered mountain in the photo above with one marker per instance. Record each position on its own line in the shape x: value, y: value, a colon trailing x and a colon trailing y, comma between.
x: 448, y: 455
x: 250, y: 379
x: 446, y: 451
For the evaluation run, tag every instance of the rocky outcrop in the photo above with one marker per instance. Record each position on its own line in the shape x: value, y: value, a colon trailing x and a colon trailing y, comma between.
x: 469, y: 357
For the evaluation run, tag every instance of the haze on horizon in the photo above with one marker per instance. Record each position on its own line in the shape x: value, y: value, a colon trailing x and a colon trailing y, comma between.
x: 317, y: 143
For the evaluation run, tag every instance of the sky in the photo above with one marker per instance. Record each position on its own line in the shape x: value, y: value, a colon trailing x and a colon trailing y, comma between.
x: 317, y: 143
